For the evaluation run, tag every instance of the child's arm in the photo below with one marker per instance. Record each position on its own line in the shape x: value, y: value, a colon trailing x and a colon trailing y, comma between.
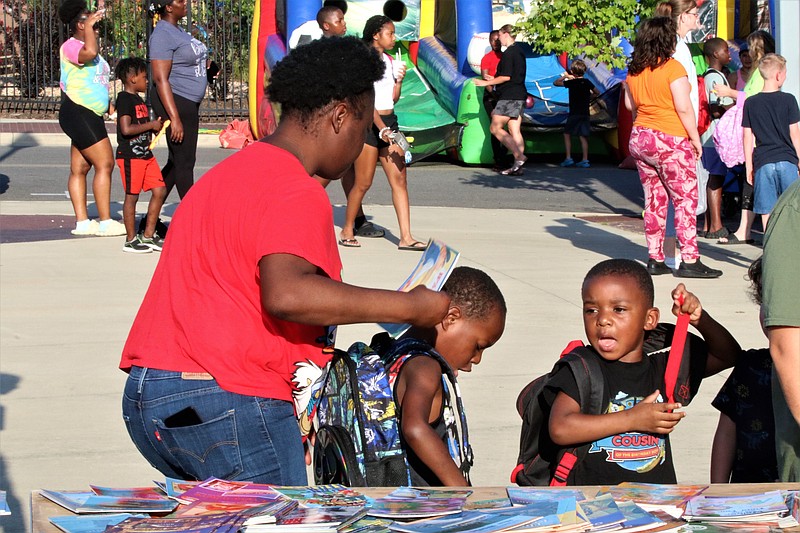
x: 497, y: 80
x: 560, y: 81
x: 722, y: 347
x: 569, y: 426
x: 419, y: 393
x: 131, y: 130
x: 723, y: 450
x: 293, y: 289
x: 794, y: 135
x: 747, y: 145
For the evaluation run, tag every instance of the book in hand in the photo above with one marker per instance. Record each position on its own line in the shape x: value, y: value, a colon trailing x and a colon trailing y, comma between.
x: 407, y: 508
x: 89, y: 502
x: 95, y: 523
x: 432, y: 271
x: 306, y: 519
x: 748, y: 508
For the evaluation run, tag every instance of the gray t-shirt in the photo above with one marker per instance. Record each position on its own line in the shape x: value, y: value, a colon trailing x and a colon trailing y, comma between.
x: 188, y: 55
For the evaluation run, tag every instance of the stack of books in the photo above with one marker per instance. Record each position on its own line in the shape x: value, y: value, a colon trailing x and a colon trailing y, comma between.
x: 747, y: 511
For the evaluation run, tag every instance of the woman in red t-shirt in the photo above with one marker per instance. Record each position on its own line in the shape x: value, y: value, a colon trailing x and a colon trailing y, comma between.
x: 666, y: 145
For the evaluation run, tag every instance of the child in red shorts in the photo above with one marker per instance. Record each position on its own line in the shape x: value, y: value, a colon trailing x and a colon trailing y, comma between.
x: 136, y: 162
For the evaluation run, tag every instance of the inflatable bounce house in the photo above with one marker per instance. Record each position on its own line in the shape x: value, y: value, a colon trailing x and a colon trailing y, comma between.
x: 442, y: 43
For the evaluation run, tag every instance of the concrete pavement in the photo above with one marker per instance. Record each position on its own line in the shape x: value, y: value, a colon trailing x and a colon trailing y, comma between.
x: 67, y: 304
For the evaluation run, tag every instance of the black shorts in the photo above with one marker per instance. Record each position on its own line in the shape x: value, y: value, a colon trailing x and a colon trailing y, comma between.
x: 578, y: 125
x: 372, y: 135
x: 83, y: 126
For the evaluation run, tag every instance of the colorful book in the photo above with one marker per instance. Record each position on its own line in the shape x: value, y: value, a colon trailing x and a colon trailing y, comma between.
x: 324, y: 495
x: 142, y: 493
x: 432, y: 271
x: 218, y: 523
x: 601, y: 512
x: 561, y: 510
x: 528, y: 495
x: 483, y: 505
x: 731, y: 508
x: 466, y: 522
x: 429, y: 493
x: 173, y: 488
x: 636, y: 518
x: 222, y: 491
x: 367, y: 524
x: 316, y: 519
x: 653, y: 496
x: 4, y: 509
x: 246, y: 506
x: 96, y: 523
x: 89, y: 502
x: 406, y: 508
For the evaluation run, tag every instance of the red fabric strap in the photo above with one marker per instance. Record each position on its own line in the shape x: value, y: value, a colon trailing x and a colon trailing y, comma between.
x: 565, y: 466
x: 676, y: 353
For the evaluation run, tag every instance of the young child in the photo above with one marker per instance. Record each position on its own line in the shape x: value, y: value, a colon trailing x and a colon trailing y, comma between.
x: 770, y: 122
x: 137, y: 166
x: 717, y: 56
x: 581, y: 91
x: 744, y: 444
x: 474, y: 322
x: 630, y: 441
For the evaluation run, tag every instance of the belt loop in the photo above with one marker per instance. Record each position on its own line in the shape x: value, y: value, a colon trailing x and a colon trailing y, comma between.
x: 141, y: 381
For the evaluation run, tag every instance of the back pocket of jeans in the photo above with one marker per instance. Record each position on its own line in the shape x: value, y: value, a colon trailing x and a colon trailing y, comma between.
x: 204, y: 450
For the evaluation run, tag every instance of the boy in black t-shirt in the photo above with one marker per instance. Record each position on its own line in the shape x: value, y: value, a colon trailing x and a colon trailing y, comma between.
x: 630, y: 441
x: 136, y: 162
x: 770, y: 122
x: 581, y: 92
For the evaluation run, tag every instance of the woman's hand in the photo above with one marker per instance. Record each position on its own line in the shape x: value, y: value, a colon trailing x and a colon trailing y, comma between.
x: 697, y: 148
x: 94, y: 18
x: 176, y: 130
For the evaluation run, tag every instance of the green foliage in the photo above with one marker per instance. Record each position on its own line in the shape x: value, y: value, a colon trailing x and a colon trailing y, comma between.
x: 590, y: 27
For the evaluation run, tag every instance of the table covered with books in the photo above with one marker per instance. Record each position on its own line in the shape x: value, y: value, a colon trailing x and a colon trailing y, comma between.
x: 217, y: 506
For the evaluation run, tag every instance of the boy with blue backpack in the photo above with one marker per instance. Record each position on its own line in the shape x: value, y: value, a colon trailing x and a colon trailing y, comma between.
x: 613, y: 410
x: 401, y: 426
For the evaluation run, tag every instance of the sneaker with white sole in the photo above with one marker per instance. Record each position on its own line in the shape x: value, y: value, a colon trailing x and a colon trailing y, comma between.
x: 155, y: 242
x: 86, y: 227
x: 133, y: 246
x: 110, y: 228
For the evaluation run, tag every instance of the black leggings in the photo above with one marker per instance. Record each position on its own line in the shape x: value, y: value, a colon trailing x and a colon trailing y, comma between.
x: 179, y: 170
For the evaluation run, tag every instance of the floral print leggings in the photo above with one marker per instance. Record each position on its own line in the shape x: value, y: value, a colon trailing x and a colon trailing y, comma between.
x: 667, y: 170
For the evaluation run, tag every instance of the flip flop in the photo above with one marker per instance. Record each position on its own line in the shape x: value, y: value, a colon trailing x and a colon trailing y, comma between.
x: 370, y: 231
x: 349, y: 243
x: 720, y: 233
x: 415, y: 246
x: 731, y: 239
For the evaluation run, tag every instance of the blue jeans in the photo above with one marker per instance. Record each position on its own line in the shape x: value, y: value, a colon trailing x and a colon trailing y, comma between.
x: 770, y: 182
x: 192, y: 429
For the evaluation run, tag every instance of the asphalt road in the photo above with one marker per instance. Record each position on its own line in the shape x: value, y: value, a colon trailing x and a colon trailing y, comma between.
x: 40, y: 173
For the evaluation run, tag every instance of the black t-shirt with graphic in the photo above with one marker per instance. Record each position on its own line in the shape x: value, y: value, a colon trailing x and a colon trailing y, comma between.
x: 633, y: 456
x: 580, y: 96
x: 514, y: 65
x: 136, y: 146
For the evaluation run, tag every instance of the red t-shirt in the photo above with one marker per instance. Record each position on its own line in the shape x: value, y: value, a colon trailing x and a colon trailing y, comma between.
x: 203, y: 313
x: 490, y: 62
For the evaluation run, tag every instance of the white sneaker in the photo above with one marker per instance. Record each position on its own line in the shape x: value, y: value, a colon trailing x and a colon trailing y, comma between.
x: 110, y: 228
x: 89, y: 227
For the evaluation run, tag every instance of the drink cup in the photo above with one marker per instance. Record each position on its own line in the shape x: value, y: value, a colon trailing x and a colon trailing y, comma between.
x: 398, y: 69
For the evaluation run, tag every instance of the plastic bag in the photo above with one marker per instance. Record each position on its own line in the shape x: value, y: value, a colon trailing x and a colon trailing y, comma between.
x: 237, y: 135
x: 728, y: 134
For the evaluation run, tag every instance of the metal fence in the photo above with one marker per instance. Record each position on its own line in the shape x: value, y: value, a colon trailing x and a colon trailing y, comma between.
x: 31, y: 35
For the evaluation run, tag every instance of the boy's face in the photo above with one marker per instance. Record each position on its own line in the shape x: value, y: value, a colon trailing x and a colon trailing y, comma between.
x: 615, y: 317
x: 462, y: 340
x: 335, y: 25
x: 724, y: 55
x: 139, y: 81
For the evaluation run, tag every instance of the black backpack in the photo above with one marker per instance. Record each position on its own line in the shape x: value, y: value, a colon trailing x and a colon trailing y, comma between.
x: 541, y: 461
x: 358, y: 440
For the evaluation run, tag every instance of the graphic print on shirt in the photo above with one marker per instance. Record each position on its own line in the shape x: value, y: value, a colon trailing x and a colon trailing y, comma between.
x: 637, y: 452
x: 308, y: 380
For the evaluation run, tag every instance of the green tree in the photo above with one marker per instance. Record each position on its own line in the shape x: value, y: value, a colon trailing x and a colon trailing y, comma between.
x: 590, y: 27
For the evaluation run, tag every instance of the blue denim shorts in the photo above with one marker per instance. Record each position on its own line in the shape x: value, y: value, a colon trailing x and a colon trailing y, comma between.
x: 188, y: 427
x: 770, y: 182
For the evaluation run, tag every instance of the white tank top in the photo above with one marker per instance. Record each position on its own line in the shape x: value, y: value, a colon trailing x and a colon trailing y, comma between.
x: 384, y: 87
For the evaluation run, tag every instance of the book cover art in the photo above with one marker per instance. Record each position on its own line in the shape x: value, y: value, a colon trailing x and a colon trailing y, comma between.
x: 89, y: 502
x: 710, y: 508
x: 173, y: 488
x: 653, y: 493
x: 432, y: 271
x: 556, y: 511
x: 429, y: 493
x: 219, y: 523
x: 414, y: 508
x: 142, y: 493
x: 482, y: 505
x: 636, y: 518
x: 466, y: 522
x: 528, y: 495
x: 600, y: 512
x: 4, y: 509
x: 324, y: 495
x: 367, y: 524
x: 241, y: 506
x: 319, y: 517
x: 96, y: 523
x: 220, y: 490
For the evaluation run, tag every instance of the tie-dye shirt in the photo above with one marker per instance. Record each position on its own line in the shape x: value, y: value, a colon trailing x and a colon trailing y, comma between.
x: 86, y: 84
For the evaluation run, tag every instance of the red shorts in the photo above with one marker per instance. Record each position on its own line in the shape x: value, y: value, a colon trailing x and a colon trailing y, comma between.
x: 140, y: 175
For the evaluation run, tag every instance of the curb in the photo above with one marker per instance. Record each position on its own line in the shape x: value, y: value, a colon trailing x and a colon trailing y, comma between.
x: 20, y: 140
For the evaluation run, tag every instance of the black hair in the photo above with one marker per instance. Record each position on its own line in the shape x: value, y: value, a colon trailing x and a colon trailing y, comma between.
x: 626, y: 268
x: 654, y: 44
x: 713, y: 45
x: 70, y: 11
x: 325, y: 12
x: 129, y: 66
x: 330, y: 69
x: 374, y: 25
x: 494, y: 32
x: 157, y: 6
x: 474, y: 292
x: 754, y: 274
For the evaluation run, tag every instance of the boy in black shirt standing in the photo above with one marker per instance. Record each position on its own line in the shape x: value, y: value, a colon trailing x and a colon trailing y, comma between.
x: 511, y: 94
x: 581, y: 92
x: 770, y: 122
x: 136, y: 162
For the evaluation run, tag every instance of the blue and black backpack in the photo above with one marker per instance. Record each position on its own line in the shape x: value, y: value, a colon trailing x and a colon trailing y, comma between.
x: 358, y: 441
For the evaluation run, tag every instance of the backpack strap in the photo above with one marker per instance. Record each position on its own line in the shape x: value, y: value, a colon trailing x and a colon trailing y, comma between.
x: 391, y: 350
x: 676, y: 353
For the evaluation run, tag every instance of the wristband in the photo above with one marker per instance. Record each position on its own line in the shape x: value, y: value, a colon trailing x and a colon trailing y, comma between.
x: 383, y: 130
